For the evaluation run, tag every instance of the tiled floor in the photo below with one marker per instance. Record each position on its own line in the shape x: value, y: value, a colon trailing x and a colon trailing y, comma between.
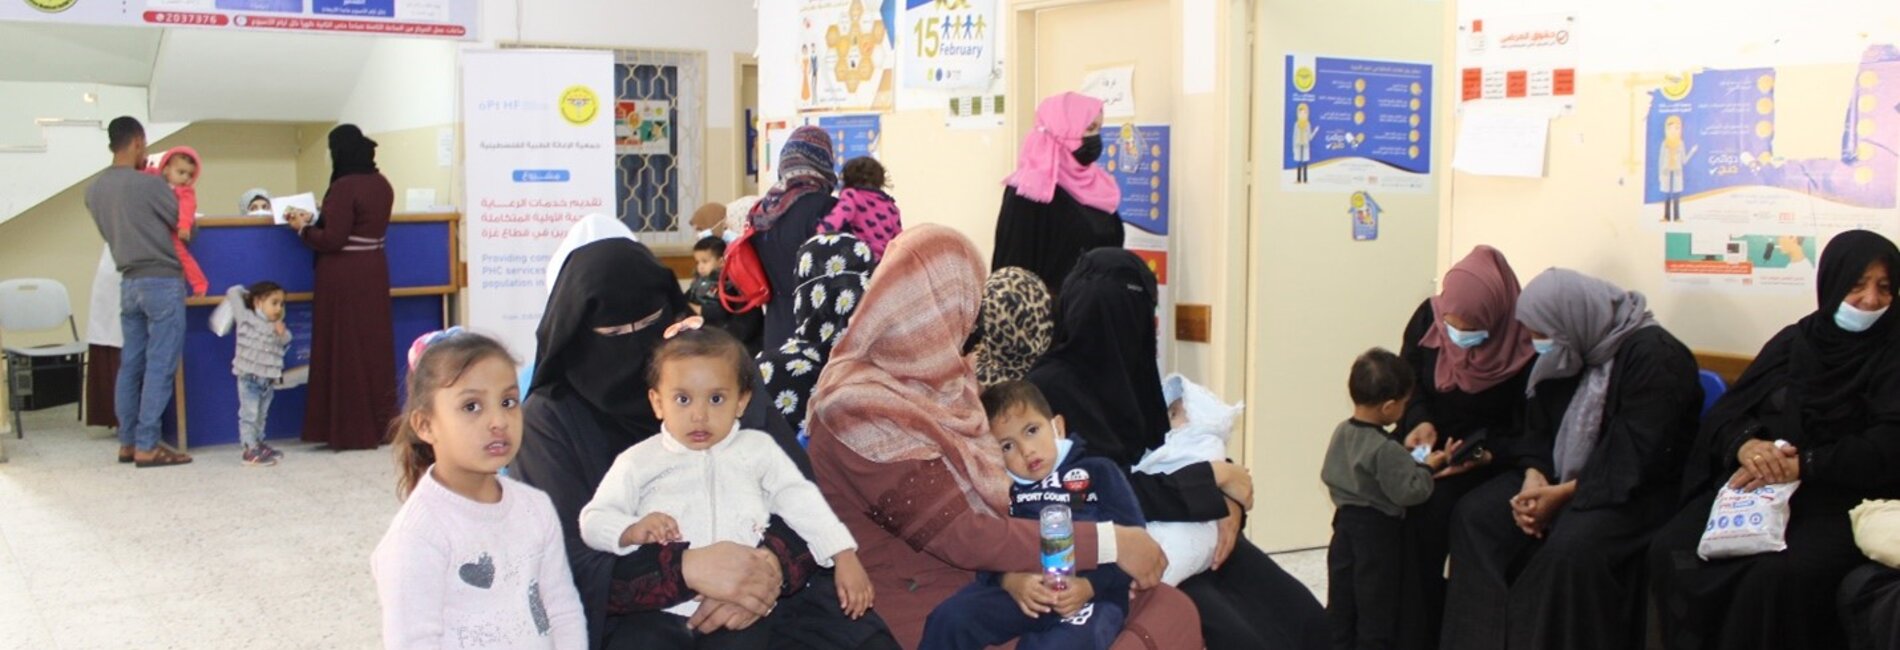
x: 98, y: 555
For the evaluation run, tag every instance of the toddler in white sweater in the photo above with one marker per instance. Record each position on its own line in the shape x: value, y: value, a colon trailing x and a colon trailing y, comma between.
x: 705, y: 480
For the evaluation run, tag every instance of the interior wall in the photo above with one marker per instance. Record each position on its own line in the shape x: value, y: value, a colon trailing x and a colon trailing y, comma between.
x: 1318, y: 298
x: 1587, y: 213
x: 29, y: 178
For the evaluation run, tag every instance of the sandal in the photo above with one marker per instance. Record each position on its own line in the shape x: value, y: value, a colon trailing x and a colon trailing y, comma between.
x: 163, y: 457
x: 125, y: 454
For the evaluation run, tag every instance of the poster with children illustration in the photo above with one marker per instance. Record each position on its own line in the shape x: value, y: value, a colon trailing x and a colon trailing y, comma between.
x: 1354, y: 124
x: 845, y: 50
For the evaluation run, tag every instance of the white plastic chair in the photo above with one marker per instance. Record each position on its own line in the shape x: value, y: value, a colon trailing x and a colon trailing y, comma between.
x: 36, y: 304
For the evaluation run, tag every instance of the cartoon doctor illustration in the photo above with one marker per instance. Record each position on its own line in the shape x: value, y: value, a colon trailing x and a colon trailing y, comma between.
x: 1302, y: 139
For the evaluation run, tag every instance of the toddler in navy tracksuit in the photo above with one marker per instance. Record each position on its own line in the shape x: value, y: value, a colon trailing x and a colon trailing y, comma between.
x: 1046, y: 469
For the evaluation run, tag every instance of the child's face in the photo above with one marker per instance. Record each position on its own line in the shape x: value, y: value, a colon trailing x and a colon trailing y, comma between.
x: 271, y: 305
x: 474, y: 424
x: 259, y: 204
x: 179, y: 171
x: 1029, y: 441
x: 705, y: 263
x: 698, y: 399
x: 1177, y: 414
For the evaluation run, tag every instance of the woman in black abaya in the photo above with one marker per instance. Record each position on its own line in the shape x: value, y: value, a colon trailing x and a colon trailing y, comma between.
x: 1101, y: 376
x: 609, y: 306
x: 1829, y: 385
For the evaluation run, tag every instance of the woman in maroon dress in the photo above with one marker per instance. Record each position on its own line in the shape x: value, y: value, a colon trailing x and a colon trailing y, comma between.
x: 352, y: 356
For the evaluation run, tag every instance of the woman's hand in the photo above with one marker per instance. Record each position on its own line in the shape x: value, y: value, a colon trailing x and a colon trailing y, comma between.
x: 854, y: 585
x: 740, y: 575
x: 1769, y: 463
x: 1229, y: 534
x: 715, y: 615
x: 1480, y: 460
x: 1139, y: 556
x: 1235, y: 482
x: 1069, y: 601
x: 1424, y: 434
x: 1034, y: 598
x: 1524, y: 505
x: 296, y: 218
x: 1536, y: 508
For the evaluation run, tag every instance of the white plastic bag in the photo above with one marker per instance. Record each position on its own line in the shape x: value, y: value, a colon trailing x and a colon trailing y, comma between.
x: 1189, y: 545
x: 1877, y: 530
x: 1747, y: 523
x: 222, y: 318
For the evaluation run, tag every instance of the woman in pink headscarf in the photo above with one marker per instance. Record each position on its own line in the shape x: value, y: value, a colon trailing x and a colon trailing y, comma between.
x: 1058, y: 205
x: 1472, y: 358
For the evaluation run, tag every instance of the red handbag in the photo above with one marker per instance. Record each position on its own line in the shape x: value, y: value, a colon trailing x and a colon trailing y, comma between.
x: 742, y: 281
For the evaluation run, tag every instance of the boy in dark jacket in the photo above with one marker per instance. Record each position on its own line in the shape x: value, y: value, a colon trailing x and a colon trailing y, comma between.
x: 1045, y: 469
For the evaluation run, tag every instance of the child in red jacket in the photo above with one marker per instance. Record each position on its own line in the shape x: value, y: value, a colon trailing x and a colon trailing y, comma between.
x: 180, y: 167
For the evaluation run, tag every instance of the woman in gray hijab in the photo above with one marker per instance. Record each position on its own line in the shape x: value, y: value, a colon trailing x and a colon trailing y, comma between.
x: 1549, y: 556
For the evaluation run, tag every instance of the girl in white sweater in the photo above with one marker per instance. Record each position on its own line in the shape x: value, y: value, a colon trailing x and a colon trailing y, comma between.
x: 704, y: 480
x: 473, y: 559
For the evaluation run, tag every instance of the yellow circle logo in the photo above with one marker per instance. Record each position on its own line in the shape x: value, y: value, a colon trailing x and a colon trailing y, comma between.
x: 1304, y: 79
x: 51, y: 6
x: 1678, y: 87
x: 579, y: 105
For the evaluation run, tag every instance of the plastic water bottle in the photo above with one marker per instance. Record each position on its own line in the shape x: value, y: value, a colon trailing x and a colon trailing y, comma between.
x: 1058, y: 547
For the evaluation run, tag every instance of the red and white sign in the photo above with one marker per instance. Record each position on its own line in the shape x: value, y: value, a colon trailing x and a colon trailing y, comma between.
x: 453, y: 19
x: 1518, y: 57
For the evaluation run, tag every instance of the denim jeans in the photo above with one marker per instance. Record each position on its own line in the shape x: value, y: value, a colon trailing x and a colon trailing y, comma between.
x: 254, y: 397
x: 152, y: 312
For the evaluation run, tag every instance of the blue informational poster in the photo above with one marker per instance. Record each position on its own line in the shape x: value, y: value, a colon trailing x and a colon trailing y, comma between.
x: 363, y: 8
x: 1137, y: 156
x: 1715, y: 130
x: 280, y: 6
x: 1365, y: 217
x: 851, y: 136
x: 1353, y: 124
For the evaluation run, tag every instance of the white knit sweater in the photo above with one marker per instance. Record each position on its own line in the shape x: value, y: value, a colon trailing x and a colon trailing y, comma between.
x: 727, y: 493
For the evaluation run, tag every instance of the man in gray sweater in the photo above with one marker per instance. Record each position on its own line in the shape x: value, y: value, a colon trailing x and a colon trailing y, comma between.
x: 137, y: 214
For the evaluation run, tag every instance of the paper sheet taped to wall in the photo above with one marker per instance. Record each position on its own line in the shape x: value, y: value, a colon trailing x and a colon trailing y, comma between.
x: 1502, y: 142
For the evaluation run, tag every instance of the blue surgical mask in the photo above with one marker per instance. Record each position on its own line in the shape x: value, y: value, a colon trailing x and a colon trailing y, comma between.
x: 1854, y: 319
x: 1543, y: 346
x: 1464, y: 339
x: 702, y: 234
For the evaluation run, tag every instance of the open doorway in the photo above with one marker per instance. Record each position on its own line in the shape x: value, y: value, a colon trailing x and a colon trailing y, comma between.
x: 748, y: 121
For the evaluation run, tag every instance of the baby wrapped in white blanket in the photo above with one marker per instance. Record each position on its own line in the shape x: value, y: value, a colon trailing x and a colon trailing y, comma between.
x: 1202, y: 425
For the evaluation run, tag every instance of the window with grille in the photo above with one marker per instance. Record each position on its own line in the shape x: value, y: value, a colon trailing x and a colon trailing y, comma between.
x: 661, y: 178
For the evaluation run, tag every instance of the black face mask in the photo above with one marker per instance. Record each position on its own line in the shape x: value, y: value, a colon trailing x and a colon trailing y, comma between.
x: 1091, y: 149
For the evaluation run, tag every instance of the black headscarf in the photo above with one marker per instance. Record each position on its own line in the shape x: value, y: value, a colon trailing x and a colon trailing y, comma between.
x: 350, y: 152
x: 1101, y: 375
x: 1815, y: 374
x: 609, y: 283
